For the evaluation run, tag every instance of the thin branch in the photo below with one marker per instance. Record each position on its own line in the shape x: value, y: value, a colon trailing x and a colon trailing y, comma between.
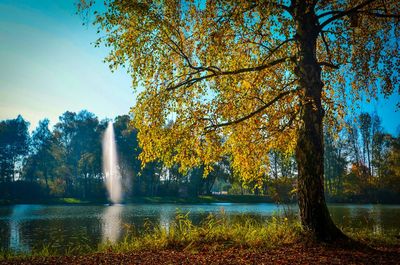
x: 278, y: 97
x: 186, y: 58
x: 331, y: 65
x: 328, y: 13
x: 290, y: 122
x: 271, y: 52
x: 341, y: 14
x: 216, y: 71
x: 192, y: 81
x: 232, y: 13
x: 328, y: 50
x: 284, y: 7
x: 381, y: 15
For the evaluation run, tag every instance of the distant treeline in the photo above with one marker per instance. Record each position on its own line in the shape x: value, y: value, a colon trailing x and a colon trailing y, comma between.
x: 362, y: 164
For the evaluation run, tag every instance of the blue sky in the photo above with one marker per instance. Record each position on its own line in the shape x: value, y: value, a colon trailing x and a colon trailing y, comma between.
x: 48, y: 65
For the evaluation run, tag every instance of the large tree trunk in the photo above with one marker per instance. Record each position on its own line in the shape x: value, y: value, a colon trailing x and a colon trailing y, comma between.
x: 314, y: 213
x: 309, y: 155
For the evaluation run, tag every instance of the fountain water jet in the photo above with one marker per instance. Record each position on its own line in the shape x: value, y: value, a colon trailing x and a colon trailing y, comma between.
x: 110, y: 165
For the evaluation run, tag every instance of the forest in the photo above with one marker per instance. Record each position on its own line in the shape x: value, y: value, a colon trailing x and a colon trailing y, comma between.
x: 362, y: 164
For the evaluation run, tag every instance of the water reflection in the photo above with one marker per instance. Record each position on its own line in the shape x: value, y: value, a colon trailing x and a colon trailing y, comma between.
x: 166, y: 217
x: 112, y: 223
x: 375, y: 218
x: 19, y: 213
x: 377, y: 227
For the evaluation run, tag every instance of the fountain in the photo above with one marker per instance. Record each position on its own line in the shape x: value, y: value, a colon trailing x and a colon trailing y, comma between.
x: 110, y: 165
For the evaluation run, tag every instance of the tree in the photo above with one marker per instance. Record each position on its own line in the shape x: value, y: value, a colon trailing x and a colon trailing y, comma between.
x: 128, y: 152
x: 244, y: 77
x: 282, y: 164
x: 376, y: 144
x: 389, y: 169
x: 380, y: 144
x: 41, y: 160
x: 78, y: 136
x: 334, y: 163
x: 14, y: 144
x: 366, y: 137
x: 199, y: 184
x: 64, y: 132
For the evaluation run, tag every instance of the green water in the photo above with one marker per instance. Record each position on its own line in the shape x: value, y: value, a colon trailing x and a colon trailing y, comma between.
x: 27, y: 227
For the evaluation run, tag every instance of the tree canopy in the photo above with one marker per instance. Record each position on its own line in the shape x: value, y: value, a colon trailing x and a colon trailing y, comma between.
x: 225, y: 71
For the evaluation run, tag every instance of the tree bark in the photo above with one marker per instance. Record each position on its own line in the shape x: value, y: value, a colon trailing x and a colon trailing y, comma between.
x: 314, y: 214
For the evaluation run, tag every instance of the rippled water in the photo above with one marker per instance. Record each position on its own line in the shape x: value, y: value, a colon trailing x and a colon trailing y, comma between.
x: 25, y: 227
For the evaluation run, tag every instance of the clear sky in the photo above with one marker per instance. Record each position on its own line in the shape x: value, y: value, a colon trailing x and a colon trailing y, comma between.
x: 48, y: 66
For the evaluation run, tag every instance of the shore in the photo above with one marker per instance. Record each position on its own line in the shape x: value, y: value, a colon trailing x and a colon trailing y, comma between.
x: 150, y: 199
x: 175, y: 199
x: 297, y: 253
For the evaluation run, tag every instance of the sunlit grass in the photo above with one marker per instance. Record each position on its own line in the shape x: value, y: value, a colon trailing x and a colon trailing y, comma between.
x: 216, y: 232
x: 70, y: 200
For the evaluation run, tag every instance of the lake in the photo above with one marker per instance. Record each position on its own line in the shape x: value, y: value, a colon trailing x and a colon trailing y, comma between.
x: 27, y: 227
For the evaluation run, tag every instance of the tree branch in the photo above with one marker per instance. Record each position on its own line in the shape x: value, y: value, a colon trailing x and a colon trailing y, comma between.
x: 331, y: 65
x: 216, y: 71
x: 192, y: 81
x: 278, y: 97
x: 328, y: 50
x: 341, y: 14
x: 272, y: 51
x: 284, y: 7
x: 381, y: 15
x: 328, y: 13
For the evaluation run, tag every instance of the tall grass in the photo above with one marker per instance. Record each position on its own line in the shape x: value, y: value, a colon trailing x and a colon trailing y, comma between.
x: 216, y: 231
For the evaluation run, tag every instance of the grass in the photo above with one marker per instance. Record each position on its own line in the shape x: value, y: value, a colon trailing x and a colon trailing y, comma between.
x: 68, y: 201
x: 216, y: 232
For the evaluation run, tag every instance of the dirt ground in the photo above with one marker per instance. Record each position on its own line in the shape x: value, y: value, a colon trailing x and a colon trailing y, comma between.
x: 291, y: 254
